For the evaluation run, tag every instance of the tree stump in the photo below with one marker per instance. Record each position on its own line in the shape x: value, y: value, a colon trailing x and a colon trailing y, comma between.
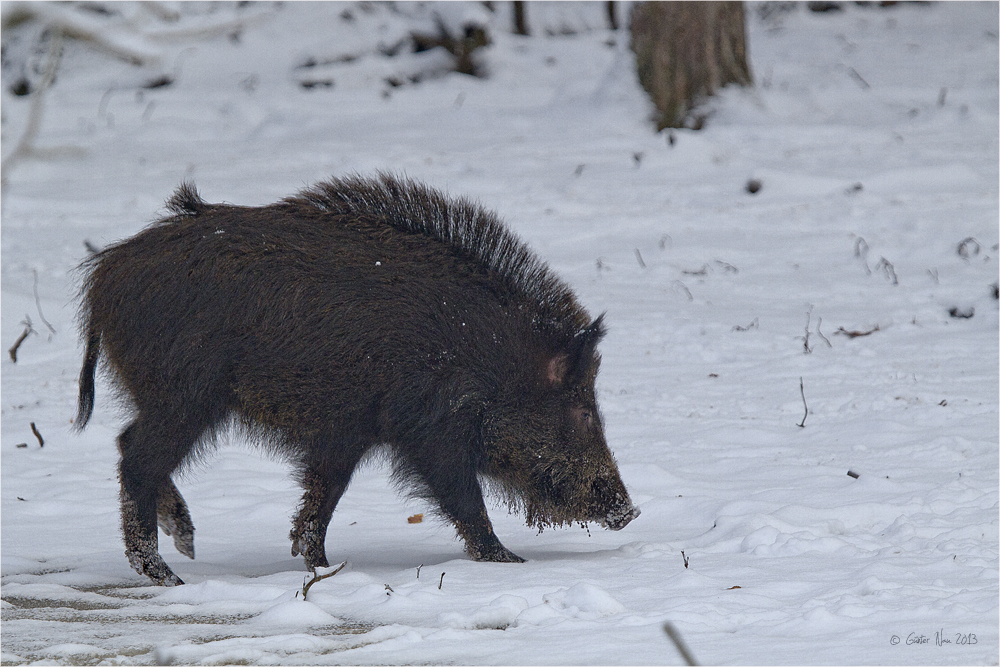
x: 685, y: 51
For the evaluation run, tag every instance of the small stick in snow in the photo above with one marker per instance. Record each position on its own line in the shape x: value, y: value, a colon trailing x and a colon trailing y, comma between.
x: 753, y: 325
x: 441, y: 581
x: 851, y: 473
x: 38, y: 305
x: 20, y: 339
x: 855, y: 334
x: 41, y: 442
x: 860, y: 79
x: 638, y: 257
x: 802, y: 390
x: 861, y: 252
x: 819, y: 323
x: 678, y: 286
x: 418, y: 570
x: 805, y: 340
x: 726, y: 267
x: 686, y: 559
x: 320, y: 577
x: 887, y: 268
x: 682, y: 648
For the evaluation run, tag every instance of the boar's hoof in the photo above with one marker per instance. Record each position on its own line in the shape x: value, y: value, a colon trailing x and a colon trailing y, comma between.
x: 619, y: 518
x: 497, y: 553
x: 310, y: 545
x: 153, y: 567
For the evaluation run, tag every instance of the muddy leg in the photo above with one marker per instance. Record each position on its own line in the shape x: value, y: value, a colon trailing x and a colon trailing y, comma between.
x: 150, y: 453
x: 460, y: 497
x: 324, y: 487
x: 174, y: 520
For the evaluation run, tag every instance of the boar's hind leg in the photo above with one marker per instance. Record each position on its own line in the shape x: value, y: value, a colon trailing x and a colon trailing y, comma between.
x: 458, y: 494
x: 324, y: 486
x: 150, y: 451
x: 173, y: 518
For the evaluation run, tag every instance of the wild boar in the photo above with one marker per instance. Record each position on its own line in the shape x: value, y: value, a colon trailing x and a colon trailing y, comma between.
x: 361, y: 313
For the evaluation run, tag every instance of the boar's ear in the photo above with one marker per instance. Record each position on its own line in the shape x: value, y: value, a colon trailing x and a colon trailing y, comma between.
x: 572, y: 365
x: 555, y: 370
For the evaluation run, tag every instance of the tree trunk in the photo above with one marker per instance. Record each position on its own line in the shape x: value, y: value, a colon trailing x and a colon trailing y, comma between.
x: 685, y: 51
x: 520, y: 20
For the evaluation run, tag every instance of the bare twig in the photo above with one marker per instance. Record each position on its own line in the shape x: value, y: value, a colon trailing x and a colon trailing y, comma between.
x: 418, y: 570
x: 855, y: 334
x: 819, y: 323
x: 38, y: 304
x: 682, y: 648
x: 802, y: 390
x: 638, y: 257
x: 727, y: 267
x: 679, y: 286
x: 805, y: 339
x: 441, y: 581
x: 20, y: 339
x: 686, y: 559
x: 320, y: 577
x: 886, y: 267
x: 860, y: 79
x: 753, y: 325
x: 861, y: 252
x: 34, y: 429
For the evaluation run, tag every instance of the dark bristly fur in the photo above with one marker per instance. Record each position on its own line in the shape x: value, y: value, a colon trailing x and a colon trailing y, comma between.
x: 360, y: 312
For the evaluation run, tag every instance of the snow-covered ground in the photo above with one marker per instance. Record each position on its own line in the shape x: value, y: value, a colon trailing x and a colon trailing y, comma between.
x: 874, y: 134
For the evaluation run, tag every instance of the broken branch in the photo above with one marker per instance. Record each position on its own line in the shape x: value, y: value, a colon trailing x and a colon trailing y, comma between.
x: 320, y: 577
x: 855, y: 334
x: 20, y: 339
x: 41, y: 442
x: 802, y: 390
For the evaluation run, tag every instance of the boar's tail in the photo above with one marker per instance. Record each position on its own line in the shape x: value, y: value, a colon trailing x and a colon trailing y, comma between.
x: 85, y: 406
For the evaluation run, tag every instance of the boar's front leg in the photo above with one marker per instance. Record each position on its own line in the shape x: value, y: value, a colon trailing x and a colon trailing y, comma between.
x: 453, y: 484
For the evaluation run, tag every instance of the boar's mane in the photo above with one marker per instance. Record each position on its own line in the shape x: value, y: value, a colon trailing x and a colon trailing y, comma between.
x: 473, y: 233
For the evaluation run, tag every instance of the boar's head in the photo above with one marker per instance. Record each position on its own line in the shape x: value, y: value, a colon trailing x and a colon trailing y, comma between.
x: 545, y: 445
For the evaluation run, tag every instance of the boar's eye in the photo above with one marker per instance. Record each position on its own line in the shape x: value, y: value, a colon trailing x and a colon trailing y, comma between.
x: 584, y: 418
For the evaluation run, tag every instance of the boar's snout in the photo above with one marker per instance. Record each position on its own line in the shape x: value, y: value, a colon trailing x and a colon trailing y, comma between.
x: 620, y: 517
x: 615, y: 509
